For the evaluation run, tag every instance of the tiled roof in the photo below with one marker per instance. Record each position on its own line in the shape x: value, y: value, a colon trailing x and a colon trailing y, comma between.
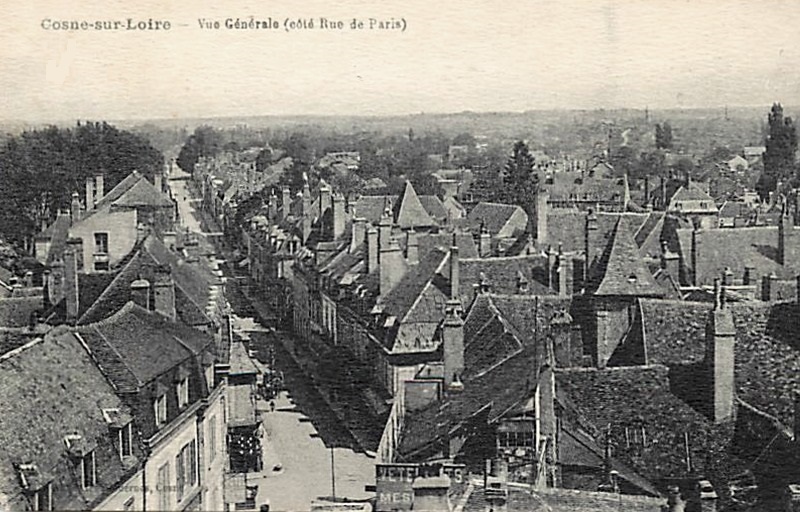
x: 733, y: 248
x: 502, y: 275
x: 401, y: 299
x: 647, y: 237
x: 492, y: 393
x: 372, y: 207
x: 240, y: 361
x: 566, y: 228
x: 494, y: 217
x: 143, y: 193
x: 408, y: 210
x: 17, y: 311
x: 15, y: 338
x: 443, y: 241
x: 52, y: 389
x: 621, y: 269
x: 580, y: 186
x: 435, y: 208
x: 633, y: 399
x: 57, y: 233
x: 119, y: 190
x: 767, y: 359
x: 135, y: 346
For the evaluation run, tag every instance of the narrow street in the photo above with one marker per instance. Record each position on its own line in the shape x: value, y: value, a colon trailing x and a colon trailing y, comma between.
x: 302, y: 437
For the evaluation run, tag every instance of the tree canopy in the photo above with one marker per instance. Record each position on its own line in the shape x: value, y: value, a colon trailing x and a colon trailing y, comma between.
x: 781, y: 147
x: 519, y: 179
x: 40, y: 169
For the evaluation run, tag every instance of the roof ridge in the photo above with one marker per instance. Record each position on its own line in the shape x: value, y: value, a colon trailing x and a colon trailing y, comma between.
x: 15, y: 352
x: 121, y: 359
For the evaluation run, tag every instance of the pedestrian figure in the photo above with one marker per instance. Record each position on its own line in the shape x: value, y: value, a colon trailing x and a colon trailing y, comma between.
x: 272, y: 405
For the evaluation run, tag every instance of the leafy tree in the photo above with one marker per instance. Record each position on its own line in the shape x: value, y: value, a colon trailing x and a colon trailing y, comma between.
x: 40, y: 169
x: 781, y: 144
x: 205, y: 141
x: 663, y: 136
x: 519, y: 180
x: 464, y: 139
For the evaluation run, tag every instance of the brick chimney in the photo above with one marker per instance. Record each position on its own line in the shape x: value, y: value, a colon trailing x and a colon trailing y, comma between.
x: 71, y: 282
x: 164, y: 293
x: 431, y: 494
x: 273, y: 206
x: 158, y: 181
x: 372, y: 250
x: 339, y: 216
x: 788, y: 240
x: 565, y: 275
x: 75, y: 208
x: 590, y: 243
x: 749, y: 275
x: 452, y: 344
x: 539, y: 221
x: 324, y: 197
x: 140, y: 293
x: 412, y: 247
x: 99, y: 187
x: 697, y: 245
x: 551, y: 267
x: 454, y: 270
x: 286, y: 202
x: 392, y: 267
x: 484, y: 242
x: 670, y: 262
x: 359, y: 233
x: 89, y: 194
x: 385, y: 226
x: 720, y: 344
x: 675, y: 501
x: 306, y: 214
x: 522, y: 283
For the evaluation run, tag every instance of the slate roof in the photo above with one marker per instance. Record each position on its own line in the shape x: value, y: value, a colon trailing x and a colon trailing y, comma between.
x: 17, y: 311
x: 491, y: 394
x: 240, y: 361
x: 767, y: 355
x: 578, y: 186
x: 635, y: 398
x: 401, y: 299
x: 434, y: 206
x: 621, y: 269
x: 143, y: 193
x: 135, y: 346
x: 57, y: 234
x: 733, y: 248
x: 408, y: 210
x: 192, y: 283
x: 494, y: 216
x: 502, y: 274
x: 57, y: 391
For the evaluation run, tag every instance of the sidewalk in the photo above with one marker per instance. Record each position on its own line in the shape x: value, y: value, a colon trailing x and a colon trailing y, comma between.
x: 341, y: 411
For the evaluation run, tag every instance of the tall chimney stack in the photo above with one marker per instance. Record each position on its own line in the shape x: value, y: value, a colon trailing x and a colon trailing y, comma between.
x: 164, y: 293
x: 89, y: 194
x: 720, y: 345
x: 454, y: 270
x: 75, y: 208
x: 338, y: 216
x: 372, y: 249
x: 412, y: 247
x: 140, y: 293
x: 99, y: 187
x: 71, y: 282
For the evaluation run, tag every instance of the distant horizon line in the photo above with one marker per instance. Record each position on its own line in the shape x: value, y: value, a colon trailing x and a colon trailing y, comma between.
x: 137, y: 119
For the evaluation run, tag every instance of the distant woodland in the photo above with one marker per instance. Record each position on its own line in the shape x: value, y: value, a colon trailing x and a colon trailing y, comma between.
x: 40, y: 169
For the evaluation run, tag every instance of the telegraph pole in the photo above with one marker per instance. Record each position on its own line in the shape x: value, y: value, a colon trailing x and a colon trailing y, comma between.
x: 333, y: 475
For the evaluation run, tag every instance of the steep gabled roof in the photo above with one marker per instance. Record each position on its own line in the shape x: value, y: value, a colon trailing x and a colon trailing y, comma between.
x: 52, y: 388
x: 135, y: 346
x: 622, y: 271
x: 494, y: 216
x: 409, y: 212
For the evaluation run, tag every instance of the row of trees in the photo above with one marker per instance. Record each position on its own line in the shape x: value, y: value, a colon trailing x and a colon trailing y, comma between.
x: 40, y: 169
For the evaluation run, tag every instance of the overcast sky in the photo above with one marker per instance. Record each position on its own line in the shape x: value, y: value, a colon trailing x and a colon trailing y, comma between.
x: 475, y: 55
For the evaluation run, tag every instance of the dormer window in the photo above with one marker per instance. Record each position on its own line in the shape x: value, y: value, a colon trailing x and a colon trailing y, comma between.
x: 88, y: 470
x: 42, y: 499
x: 120, y: 424
x: 160, y: 410
x: 37, y: 486
x: 183, y: 392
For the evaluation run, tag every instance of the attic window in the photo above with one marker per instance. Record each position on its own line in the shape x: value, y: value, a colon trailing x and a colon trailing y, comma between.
x: 632, y: 278
x: 390, y: 322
